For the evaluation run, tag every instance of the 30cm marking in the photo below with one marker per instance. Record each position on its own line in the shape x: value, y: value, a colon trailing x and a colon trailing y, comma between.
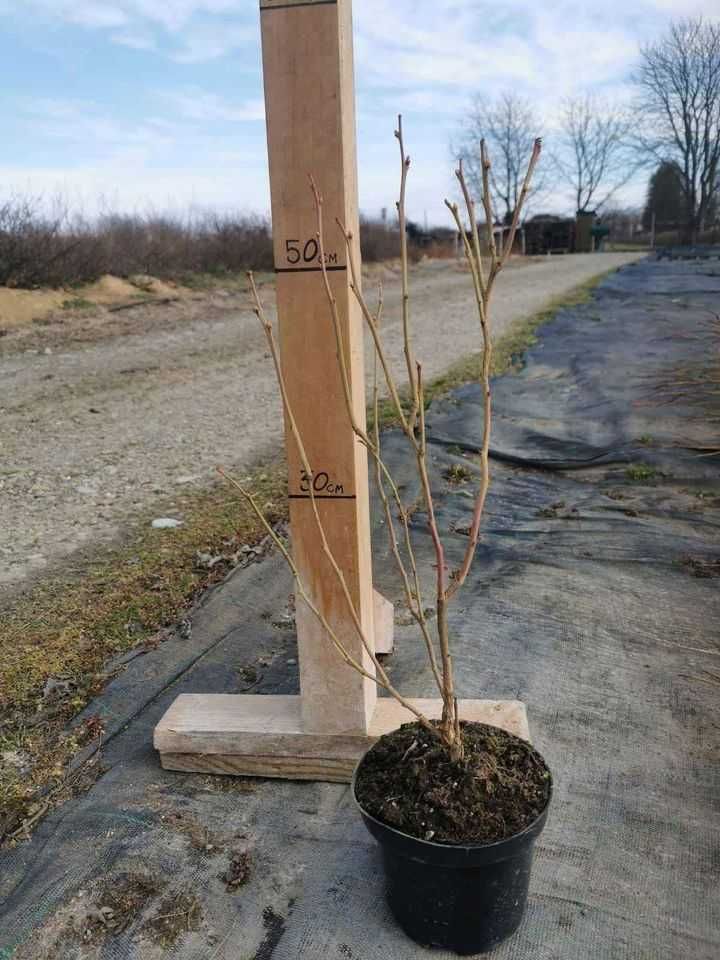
x: 321, y: 484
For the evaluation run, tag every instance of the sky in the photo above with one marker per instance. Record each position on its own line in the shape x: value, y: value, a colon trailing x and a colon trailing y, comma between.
x: 158, y: 104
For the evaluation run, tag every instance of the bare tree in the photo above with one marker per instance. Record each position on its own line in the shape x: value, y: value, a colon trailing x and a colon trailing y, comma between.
x: 509, y: 128
x: 679, y: 78
x: 623, y: 223
x: 411, y: 416
x: 595, y: 158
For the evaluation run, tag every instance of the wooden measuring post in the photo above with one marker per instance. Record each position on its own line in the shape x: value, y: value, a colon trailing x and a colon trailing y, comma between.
x: 320, y: 735
x: 309, y: 97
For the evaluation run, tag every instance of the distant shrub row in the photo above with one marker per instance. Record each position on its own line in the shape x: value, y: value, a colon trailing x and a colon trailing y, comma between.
x: 676, y: 238
x: 55, y: 249
x: 41, y: 249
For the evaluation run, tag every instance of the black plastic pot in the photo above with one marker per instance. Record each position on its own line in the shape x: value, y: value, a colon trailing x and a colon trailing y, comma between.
x: 464, y: 898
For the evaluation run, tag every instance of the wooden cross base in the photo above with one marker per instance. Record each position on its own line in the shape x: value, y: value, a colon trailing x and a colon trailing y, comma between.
x: 263, y: 736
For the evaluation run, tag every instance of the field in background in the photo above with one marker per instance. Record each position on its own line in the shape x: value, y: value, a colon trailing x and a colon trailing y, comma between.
x: 60, y: 249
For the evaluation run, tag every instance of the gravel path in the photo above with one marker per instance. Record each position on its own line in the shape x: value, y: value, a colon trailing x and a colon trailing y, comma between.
x: 91, y: 435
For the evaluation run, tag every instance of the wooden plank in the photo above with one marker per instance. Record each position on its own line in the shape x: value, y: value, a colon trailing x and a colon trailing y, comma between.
x: 309, y: 95
x: 383, y: 623
x: 264, y: 736
x: 284, y: 768
x: 249, y: 725
x: 509, y: 715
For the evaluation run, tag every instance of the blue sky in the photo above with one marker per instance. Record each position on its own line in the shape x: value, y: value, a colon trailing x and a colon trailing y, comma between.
x: 137, y: 103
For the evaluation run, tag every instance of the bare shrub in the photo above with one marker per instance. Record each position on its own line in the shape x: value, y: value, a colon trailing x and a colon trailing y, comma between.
x: 230, y: 242
x: 411, y: 415
x: 168, y: 245
x: 41, y: 248
x: 44, y: 248
x: 378, y: 240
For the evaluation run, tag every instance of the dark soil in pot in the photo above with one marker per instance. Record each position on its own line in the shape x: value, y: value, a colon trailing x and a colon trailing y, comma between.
x: 408, y: 782
x: 457, y: 837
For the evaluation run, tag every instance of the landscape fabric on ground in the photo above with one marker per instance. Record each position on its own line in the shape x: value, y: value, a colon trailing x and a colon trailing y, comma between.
x: 593, y: 599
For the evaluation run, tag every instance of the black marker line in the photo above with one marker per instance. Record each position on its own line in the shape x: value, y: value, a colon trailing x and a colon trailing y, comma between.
x: 310, y: 3
x: 307, y: 269
x: 320, y: 496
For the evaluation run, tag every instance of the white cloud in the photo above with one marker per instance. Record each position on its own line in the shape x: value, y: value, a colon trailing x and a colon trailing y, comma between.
x: 469, y: 46
x: 88, y: 125
x: 193, y: 123
x: 687, y: 8
x: 171, y: 15
x: 132, y: 186
x: 210, y: 41
x: 94, y: 14
x: 198, y: 105
x: 424, y: 58
x: 444, y: 42
x: 135, y: 39
x: 189, y: 31
x: 89, y: 14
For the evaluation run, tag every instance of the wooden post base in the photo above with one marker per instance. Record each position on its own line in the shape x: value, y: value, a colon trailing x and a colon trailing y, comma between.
x: 263, y: 736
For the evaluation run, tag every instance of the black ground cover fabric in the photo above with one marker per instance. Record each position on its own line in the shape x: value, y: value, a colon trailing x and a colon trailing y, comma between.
x: 594, y: 599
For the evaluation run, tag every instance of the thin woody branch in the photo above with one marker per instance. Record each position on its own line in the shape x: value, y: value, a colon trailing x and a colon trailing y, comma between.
x: 372, y: 326
x: 419, y: 446
x: 416, y: 609
x: 414, y: 428
x: 471, y: 257
x: 405, y: 166
x: 415, y: 605
x: 382, y: 676
x: 449, y: 700
x: 489, y: 215
x: 381, y: 681
x: 476, y: 249
x: 483, y: 298
x: 534, y: 157
x: 443, y: 680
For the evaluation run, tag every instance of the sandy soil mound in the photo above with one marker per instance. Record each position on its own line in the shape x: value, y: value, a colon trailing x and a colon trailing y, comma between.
x: 18, y: 308
x: 108, y: 290
x: 158, y: 288
x: 21, y: 307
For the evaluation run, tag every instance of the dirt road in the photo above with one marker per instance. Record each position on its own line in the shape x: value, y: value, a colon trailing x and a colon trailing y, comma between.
x: 96, y: 429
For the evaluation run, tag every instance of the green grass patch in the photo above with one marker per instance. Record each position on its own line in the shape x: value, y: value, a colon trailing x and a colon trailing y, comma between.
x: 57, y: 638
x: 457, y: 474
x: 641, y: 472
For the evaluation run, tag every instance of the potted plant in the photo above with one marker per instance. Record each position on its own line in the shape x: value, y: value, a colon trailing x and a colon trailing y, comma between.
x: 455, y: 806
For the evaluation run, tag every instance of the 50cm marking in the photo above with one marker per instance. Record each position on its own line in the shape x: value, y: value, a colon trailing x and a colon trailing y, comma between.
x: 308, y: 252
